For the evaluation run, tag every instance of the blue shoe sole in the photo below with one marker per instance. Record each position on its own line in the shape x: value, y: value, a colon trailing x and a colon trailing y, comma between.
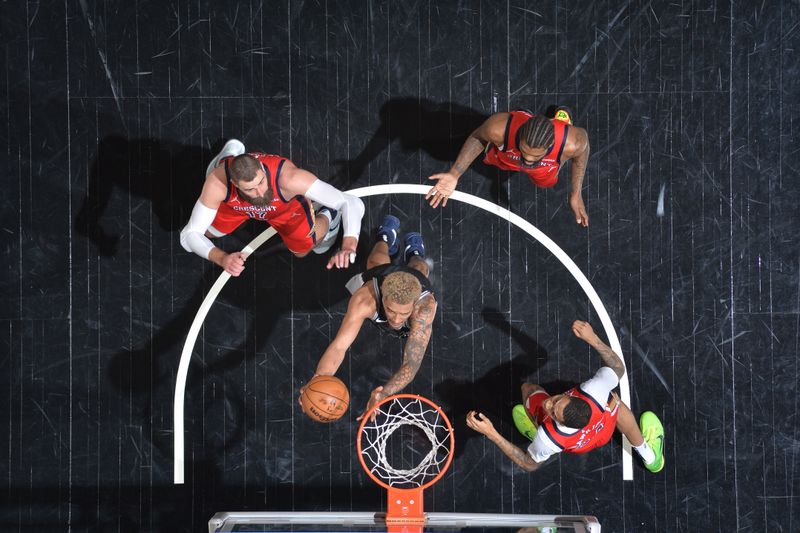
x: 413, y: 243
x: 390, y: 227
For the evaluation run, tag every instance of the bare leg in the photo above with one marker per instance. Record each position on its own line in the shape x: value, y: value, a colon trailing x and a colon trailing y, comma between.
x: 418, y: 263
x: 528, y: 389
x: 379, y: 255
x: 626, y: 424
x: 320, y: 229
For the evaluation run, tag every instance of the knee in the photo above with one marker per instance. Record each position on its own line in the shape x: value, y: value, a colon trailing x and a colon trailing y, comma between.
x: 529, y: 388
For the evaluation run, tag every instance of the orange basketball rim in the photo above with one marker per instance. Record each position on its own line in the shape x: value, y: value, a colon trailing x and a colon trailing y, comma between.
x: 405, y: 485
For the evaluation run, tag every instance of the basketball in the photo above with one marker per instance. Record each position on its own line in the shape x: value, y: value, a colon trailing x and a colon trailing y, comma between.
x: 325, y: 399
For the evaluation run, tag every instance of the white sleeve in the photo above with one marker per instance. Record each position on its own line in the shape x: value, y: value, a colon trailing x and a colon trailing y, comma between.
x: 193, y: 235
x: 352, y: 207
x: 541, y: 449
x: 601, y: 385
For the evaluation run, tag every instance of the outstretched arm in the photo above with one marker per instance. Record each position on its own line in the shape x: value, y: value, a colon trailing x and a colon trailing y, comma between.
x: 481, y: 423
x: 580, y: 159
x: 357, y: 312
x: 610, y: 358
x: 491, y: 130
x: 413, y: 353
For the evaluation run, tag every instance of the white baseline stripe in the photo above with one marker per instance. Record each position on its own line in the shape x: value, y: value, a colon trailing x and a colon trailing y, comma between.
x: 400, y: 188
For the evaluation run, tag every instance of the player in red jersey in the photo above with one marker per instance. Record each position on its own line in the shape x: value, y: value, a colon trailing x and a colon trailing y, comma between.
x: 580, y: 420
x: 525, y: 142
x: 242, y: 186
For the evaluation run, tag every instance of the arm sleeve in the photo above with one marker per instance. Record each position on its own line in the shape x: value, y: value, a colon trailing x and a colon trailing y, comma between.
x: 352, y: 207
x: 193, y: 238
x: 541, y: 449
x: 601, y: 385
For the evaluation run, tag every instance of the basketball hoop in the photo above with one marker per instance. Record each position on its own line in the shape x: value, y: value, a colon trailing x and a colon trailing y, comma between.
x: 386, y: 450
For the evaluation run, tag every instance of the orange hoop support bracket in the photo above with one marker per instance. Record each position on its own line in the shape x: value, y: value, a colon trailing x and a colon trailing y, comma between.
x: 405, y: 510
x: 405, y: 506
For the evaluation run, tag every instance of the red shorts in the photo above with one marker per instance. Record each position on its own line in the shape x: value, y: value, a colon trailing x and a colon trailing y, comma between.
x: 294, y: 225
x: 533, y: 404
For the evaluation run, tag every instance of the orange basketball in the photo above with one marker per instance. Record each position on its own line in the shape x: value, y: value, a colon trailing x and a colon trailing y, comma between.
x: 325, y: 399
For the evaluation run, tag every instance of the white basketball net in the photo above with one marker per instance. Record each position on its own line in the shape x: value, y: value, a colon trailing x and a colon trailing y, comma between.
x: 394, y: 415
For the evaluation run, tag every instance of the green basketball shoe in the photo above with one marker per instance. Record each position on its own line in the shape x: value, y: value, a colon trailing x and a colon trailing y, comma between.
x: 653, y: 433
x: 523, y: 422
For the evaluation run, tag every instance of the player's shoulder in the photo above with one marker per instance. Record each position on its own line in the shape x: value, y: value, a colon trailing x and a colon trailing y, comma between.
x: 216, y: 184
x: 363, y: 303
x: 577, y: 140
x: 424, y: 312
x: 494, y: 128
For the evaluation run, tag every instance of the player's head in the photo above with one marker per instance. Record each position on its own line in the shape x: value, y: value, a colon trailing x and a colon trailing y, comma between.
x: 534, y: 139
x: 399, y: 292
x: 571, y: 412
x: 250, y: 178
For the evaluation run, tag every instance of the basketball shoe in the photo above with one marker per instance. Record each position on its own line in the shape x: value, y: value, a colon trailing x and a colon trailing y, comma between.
x: 232, y: 148
x: 413, y: 246
x: 653, y: 433
x: 564, y: 114
x: 523, y: 422
x: 389, y: 231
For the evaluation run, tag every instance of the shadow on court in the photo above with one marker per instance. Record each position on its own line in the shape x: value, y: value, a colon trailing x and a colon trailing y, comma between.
x: 497, y: 391
x: 250, y: 318
x: 438, y: 129
x: 168, y: 174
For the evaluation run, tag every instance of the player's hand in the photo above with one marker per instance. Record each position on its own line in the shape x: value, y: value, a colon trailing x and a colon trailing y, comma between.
x: 374, y: 398
x: 346, y: 255
x: 233, y: 263
x: 303, y: 389
x: 445, y: 185
x: 584, y: 331
x: 480, y: 423
x: 576, y: 203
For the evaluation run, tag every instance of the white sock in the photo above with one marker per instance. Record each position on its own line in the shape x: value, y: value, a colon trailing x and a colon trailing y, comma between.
x: 645, y: 452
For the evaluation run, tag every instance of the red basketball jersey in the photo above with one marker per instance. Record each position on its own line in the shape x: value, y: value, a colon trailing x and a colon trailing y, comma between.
x: 545, y: 174
x: 277, y: 208
x: 596, y: 433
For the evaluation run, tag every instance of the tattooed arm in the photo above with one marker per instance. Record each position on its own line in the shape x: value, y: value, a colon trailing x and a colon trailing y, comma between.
x: 421, y: 327
x: 610, y: 358
x: 416, y: 345
x: 579, y: 152
x: 481, y: 423
x: 491, y: 131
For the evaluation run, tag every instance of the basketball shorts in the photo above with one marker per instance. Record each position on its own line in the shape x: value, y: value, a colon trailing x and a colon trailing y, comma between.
x: 294, y: 225
x: 533, y: 404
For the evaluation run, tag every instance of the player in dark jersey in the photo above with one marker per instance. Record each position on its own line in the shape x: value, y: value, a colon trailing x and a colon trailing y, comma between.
x: 397, y: 298
x: 579, y: 420
x: 525, y: 142
x: 241, y: 186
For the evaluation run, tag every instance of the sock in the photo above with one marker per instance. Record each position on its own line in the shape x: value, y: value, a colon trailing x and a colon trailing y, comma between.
x: 645, y: 452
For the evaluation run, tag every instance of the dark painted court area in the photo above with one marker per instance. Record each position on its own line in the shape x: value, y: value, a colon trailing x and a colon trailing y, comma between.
x: 112, y: 110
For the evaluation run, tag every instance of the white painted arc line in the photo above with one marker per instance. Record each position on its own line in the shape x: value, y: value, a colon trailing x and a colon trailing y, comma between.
x: 186, y: 356
x: 400, y: 188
